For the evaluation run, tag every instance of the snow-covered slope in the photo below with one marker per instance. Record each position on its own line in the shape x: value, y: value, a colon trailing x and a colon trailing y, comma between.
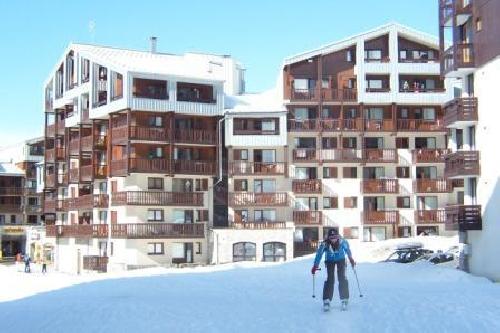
x: 249, y: 297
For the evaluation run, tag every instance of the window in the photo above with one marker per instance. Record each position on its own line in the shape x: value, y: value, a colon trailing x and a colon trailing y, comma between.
x: 305, y: 173
x: 268, y: 126
x: 201, y: 185
x: 427, y: 203
x: 155, y: 215
x: 374, y: 143
x: 13, y: 219
x: 374, y: 84
x: 241, y: 185
x: 156, y: 152
x: 2, y: 219
x: 350, y: 202
x: 274, y: 251
x: 402, y: 143
x: 265, y: 215
x: 251, y: 126
x: 244, y: 251
x: 425, y: 143
x: 330, y: 172
x: 329, y: 143
x: 155, y: 248
x: 303, y: 84
x: 155, y: 121
x: 479, y: 24
x: 240, y: 154
x: 350, y: 172
x: 330, y: 202
x: 374, y: 113
x: 351, y: 232
x: 103, y: 187
x: 373, y: 172
x: 264, y: 155
x: 349, y: 56
x: 202, y: 215
x: 103, y: 216
x: 195, y: 92
x: 198, y: 247
x: 325, y: 84
x: 241, y: 216
x: 403, y: 202
x: 349, y: 143
x: 155, y: 183
x: 426, y: 172
x: 152, y: 89
x: 306, y: 203
x: 85, y: 70
x: 183, y: 216
x: 116, y: 86
x: 403, y: 172
x: 264, y: 185
x: 373, y: 55
x: 429, y: 114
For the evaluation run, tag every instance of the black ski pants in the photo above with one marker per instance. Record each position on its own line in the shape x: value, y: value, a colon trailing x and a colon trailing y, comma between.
x: 330, y: 281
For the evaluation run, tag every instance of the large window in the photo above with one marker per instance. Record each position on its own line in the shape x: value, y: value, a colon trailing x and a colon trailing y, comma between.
x: 156, y: 248
x: 265, y: 215
x: 194, y: 92
x: 264, y: 186
x: 155, y: 215
x: 274, y: 251
x: 244, y: 251
x: 116, y: 86
x: 152, y: 89
x: 155, y: 183
x: 373, y: 55
x: 250, y: 126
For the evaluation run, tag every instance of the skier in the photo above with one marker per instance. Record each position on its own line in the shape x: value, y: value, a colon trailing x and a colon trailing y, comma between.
x: 335, y: 248
x: 27, y: 260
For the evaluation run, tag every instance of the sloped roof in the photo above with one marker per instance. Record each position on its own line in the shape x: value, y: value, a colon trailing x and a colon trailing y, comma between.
x: 267, y: 101
x: 407, y: 32
x: 10, y: 169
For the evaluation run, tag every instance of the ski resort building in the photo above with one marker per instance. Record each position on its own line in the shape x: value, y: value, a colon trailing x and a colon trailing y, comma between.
x: 471, y: 117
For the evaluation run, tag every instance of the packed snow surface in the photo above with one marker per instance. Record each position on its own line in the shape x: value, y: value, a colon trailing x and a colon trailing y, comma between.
x: 253, y: 297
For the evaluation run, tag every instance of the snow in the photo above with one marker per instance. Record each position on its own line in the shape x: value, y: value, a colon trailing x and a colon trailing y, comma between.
x: 250, y: 297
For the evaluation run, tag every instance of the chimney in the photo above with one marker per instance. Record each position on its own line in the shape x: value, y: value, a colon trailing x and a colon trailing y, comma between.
x: 153, y: 39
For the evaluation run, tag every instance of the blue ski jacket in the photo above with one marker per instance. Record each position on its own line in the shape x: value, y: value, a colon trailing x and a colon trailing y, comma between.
x: 331, y: 254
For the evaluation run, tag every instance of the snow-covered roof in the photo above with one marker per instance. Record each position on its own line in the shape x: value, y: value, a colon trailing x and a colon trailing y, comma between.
x: 10, y: 169
x: 402, y: 30
x: 267, y: 101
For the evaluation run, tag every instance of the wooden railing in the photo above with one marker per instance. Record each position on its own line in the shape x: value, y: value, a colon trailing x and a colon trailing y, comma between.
x: 77, y: 231
x: 95, y: 263
x: 462, y: 163
x: 86, y: 143
x: 355, y: 124
x: 194, y: 167
x: 295, y: 125
x: 463, y: 217
x: 10, y: 208
x: 346, y: 94
x: 119, y: 167
x: 120, y: 134
x: 11, y: 191
x: 429, y: 155
x: 258, y: 199
x: 305, y: 154
x: 158, y: 230
x: 458, y: 56
x: 432, y: 186
x: 341, y: 155
x: 50, y: 180
x: 146, y: 133
x: 460, y: 109
x: 420, y: 125
x: 74, y: 176
x: 88, y: 201
x: 369, y: 186
x: 380, y: 217
x: 257, y: 168
x: 208, y: 137
x: 86, y: 173
x: 74, y: 146
x: 60, y: 153
x: 258, y: 225
x: 430, y: 216
x: 307, y: 217
x: 331, y: 124
x: 60, y: 127
x: 49, y: 205
x: 155, y: 165
x: 50, y: 155
x: 150, y: 198
x: 306, y: 186
x: 380, y: 155
x: 379, y: 125
x: 303, y: 248
x: 50, y: 130
x: 304, y: 94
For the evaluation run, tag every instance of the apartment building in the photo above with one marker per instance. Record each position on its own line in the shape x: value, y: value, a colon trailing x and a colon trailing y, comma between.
x: 20, y: 204
x: 131, y: 161
x: 366, y: 137
x: 471, y: 117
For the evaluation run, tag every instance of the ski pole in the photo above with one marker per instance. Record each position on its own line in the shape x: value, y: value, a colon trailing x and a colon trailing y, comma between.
x: 356, y: 275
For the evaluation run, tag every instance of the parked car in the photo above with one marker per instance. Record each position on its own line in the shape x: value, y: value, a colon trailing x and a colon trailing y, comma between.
x: 408, y: 253
x: 440, y: 256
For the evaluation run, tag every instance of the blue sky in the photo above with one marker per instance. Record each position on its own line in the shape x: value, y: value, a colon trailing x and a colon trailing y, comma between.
x: 259, y: 33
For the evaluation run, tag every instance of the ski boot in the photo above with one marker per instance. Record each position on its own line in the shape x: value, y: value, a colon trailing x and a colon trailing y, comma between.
x: 326, y: 305
x: 343, y: 305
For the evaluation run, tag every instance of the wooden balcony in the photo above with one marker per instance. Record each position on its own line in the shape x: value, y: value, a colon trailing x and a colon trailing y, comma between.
x: 86, y: 143
x: 120, y: 135
x: 429, y: 155
x: 380, y: 217
x: 305, y: 155
x: 420, y: 125
x: 449, y: 8
x: 144, y: 133
x: 95, y: 263
x: 49, y: 206
x: 88, y: 201
x: 33, y: 209
x: 462, y: 163
x: 74, y: 147
x: 304, y: 94
x: 379, y: 125
x: 308, y: 217
x: 251, y: 199
x: 460, y: 109
x: 307, y: 186
x: 74, y: 175
x: 60, y: 128
x: 432, y: 186
x: 11, y: 208
x: 77, y: 231
x: 341, y: 155
x: 382, y: 186
x: 304, y: 248
x: 430, y: 216
x: 158, y: 230
x: 258, y: 225
x: 146, y: 165
x: 11, y: 191
x: 305, y: 125
x: 463, y: 217
x: 50, y: 155
x: 458, y: 56
x: 192, y: 136
x: 101, y: 171
x: 86, y: 173
x: 380, y: 155
x: 337, y: 95
x: 257, y: 168
x: 194, y: 167
x: 50, y: 130
x: 355, y: 124
x: 61, y: 205
x: 119, y: 167
x: 50, y: 181
x: 150, y: 198
x: 331, y: 124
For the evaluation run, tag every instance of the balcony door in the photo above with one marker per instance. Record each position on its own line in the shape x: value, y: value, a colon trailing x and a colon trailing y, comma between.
x: 373, y: 204
x: 373, y: 172
x: 306, y: 203
x: 427, y: 203
x: 264, y: 155
x: 429, y: 172
x: 264, y: 186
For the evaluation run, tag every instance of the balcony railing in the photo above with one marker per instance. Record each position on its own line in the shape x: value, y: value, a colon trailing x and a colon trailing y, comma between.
x: 341, y: 155
x: 306, y: 185
x: 121, y: 134
x: 458, y: 56
x: 88, y: 201
x: 33, y: 209
x: 154, y: 165
x: 448, y: 8
x: 77, y: 231
x: 74, y: 175
x: 194, y: 167
x: 430, y: 216
x: 384, y: 186
x: 420, y: 125
x: 119, y: 167
x: 50, y: 130
x: 60, y: 128
x: 257, y: 168
x: 208, y: 137
x: 61, y: 205
x: 303, y: 248
x: 150, y: 198
x: 462, y: 163
x: 379, y: 125
x: 50, y: 180
x: 86, y: 173
x: 307, y: 217
x: 143, y: 133
x: 13, y: 191
x: 10, y: 208
x: 86, y: 142
x: 429, y: 155
x: 258, y: 225
x: 304, y: 94
x: 348, y: 95
x: 380, y: 217
x: 460, y: 109
x: 432, y: 186
x: 375, y: 155
x: 158, y: 230
x: 305, y: 155
x: 304, y: 125
x: 95, y: 263
x: 463, y: 217
x: 74, y: 146
x: 354, y: 124
x: 258, y: 199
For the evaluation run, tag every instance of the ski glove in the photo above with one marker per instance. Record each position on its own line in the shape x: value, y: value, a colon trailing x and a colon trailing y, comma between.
x: 314, y: 269
x: 353, y: 263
